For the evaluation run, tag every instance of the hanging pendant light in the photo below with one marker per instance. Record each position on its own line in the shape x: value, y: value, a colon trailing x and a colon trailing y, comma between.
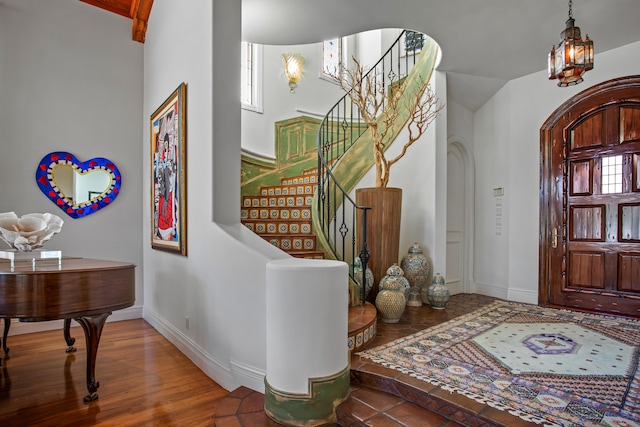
x: 572, y: 57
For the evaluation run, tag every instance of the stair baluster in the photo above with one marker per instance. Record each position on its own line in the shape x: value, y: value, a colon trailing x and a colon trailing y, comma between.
x: 339, y: 132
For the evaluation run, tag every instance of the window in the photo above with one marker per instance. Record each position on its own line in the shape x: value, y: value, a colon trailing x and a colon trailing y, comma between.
x: 612, y: 174
x: 413, y: 42
x: 251, y: 77
x: 331, y: 55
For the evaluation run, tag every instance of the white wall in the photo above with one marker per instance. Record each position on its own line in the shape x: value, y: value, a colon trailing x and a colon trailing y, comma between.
x: 315, y: 94
x: 220, y: 285
x: 369, y: 47
x: 460, y: 124
x: 71, y: 80
x: 421, y: 174
x: 313, y: 97
x: 507, y: 147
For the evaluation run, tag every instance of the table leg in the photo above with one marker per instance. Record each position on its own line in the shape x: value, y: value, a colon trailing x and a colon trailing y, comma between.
x: 92, y: 326
x: 67, y: 336
x: 7, y: 324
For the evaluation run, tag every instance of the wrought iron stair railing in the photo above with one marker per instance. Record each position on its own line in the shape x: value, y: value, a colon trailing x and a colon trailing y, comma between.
x: 340, y: 141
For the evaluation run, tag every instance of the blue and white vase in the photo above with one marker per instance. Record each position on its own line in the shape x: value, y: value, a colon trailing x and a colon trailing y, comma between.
x: 417, y: 268
x: 438, y: 293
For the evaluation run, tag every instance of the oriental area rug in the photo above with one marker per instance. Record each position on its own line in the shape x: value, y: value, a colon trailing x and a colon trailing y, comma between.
x: 549, y: 366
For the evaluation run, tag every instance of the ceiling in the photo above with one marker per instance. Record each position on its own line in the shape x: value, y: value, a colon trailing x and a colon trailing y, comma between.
x: 485, y: 43
x: 137, y: 10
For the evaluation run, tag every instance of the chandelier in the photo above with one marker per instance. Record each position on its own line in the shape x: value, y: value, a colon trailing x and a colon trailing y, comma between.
x: 572, y: 57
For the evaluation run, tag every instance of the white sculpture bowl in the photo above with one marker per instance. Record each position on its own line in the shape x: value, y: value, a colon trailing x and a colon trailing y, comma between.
x: 29, y: 231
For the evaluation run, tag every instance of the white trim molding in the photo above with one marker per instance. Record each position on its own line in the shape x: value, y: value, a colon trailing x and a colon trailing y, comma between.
x: 251, y: 376
x: 496, y: 291
x: 522, y: 295
x: 203, y: 360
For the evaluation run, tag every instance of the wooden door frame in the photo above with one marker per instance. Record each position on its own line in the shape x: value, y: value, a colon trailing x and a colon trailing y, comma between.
x: 614, y: 88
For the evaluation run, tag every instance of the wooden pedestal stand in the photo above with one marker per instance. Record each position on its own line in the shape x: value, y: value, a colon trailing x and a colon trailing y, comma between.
x: 383, y: 229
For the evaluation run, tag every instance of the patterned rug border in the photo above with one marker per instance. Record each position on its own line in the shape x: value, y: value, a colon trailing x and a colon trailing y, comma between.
x: 513, y: 393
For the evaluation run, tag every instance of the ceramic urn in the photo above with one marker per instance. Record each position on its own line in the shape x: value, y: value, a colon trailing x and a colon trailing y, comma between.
x: 416, y: 268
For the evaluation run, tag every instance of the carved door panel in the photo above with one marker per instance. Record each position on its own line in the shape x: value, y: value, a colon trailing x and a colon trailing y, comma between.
x: 590, y: 201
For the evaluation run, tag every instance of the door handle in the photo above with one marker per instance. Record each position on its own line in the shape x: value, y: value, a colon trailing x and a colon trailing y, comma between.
x: 554, y: 238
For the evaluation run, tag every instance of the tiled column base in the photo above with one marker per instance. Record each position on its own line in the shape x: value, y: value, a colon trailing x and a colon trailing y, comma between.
x: 313, y: 409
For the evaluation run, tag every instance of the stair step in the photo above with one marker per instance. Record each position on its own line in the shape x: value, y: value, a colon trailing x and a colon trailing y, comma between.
x: 290, y: 243
x: 295, y: 213
x: 428, y: 402
x: 362, y: 326
x: 284, y: 220
x: 307, y: 254
x: 312, y: 171
x: 280, y: 227
x: 287, y: 190
x: 304, y: 179
x: 276, y: 201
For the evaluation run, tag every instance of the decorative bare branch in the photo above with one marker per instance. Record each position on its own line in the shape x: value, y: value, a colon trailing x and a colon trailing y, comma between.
x: 380, y: 108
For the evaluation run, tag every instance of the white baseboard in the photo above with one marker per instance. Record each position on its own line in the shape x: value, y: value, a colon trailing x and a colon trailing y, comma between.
x: 19, y: 328
x: 508, y: 294
x: 248, y: 375
x: 524, y: 296
x: 211, y: 367
x: 455, y: 288
x: 490, y: 290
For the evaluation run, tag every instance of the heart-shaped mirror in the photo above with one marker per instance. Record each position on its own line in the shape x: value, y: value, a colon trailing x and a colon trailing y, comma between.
x: 78, y: 188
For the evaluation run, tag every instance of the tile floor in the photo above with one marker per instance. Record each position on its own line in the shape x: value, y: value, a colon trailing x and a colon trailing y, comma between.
x: 382, y: 397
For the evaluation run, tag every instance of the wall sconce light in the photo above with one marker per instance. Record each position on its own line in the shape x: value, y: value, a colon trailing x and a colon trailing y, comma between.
x: 293, y: 63
x: 572, y: 57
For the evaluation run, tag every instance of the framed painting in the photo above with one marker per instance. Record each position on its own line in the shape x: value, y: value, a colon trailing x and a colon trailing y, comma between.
x: 168, y: 173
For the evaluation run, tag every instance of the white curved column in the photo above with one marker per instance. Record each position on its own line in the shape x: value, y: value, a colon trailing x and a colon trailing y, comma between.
x: 307, y: 326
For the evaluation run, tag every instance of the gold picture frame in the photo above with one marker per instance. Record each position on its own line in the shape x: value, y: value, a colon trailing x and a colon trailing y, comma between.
x: 168, y: 139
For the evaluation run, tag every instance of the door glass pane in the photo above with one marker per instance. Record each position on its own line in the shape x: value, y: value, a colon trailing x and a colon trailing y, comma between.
x: 612, y: 174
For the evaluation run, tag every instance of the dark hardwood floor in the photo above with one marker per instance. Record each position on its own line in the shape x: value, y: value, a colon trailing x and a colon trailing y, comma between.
x: 144, y: 381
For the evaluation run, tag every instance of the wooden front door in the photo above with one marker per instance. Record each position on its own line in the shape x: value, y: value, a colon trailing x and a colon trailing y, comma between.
x: 590, y: 201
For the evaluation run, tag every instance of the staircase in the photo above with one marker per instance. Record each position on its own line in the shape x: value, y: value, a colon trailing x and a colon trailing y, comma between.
x: 281, y: 214
x: 289, y: 213
x: 345, y: 146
